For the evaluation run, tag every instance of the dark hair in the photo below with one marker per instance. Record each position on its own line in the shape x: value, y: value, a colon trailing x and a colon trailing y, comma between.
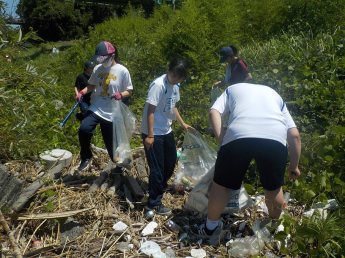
x: 89, y: 64
x: 234, y: 50
x: 179, y: 67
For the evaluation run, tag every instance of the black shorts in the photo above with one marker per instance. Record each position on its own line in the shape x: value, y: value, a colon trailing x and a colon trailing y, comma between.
x: 234, y: 158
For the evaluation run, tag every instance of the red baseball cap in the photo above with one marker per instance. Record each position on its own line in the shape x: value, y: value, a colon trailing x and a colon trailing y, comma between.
x: 103, y: 50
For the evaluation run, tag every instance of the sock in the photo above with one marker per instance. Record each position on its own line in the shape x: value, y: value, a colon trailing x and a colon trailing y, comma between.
x: 211, y: 224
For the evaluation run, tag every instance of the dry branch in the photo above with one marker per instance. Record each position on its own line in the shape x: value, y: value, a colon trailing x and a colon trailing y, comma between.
x: 53, y: 215
x: 13, y: 242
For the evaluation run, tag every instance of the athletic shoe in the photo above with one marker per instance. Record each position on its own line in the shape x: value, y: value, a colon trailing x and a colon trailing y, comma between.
x: 84, y: 165
x: 211, y: 237
x: 159, y: 209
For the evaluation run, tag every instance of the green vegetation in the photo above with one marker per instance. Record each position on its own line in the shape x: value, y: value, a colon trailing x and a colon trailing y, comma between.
x: 296, y: 47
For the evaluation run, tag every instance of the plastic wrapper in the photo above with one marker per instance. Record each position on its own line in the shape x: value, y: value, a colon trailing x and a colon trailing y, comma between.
x: 195, y: 160
x: 121, y: 149
x: 198, y: 197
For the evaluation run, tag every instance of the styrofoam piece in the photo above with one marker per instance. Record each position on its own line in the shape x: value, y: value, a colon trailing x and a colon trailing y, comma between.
x: 120, y: 227
x: 198, y: 253
x: 56, y: 156
x: 148, y: 230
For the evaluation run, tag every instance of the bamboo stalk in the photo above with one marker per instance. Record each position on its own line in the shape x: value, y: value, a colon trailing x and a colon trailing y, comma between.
x: 13, y: 242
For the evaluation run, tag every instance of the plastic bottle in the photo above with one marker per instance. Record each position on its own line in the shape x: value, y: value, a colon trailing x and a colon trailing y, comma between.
x: 172, y: 226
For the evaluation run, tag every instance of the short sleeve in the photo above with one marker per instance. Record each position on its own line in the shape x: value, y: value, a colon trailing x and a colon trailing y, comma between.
x: 288, y: 118
x: 221, y: 104
x: 155, y: 94
x: 127, y: 81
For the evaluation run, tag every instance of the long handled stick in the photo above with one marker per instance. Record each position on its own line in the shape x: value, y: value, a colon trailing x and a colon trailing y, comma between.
x: 62, y: 124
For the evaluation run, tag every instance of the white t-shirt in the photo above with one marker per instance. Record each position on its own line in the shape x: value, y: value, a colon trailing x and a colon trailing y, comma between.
x: 108, y: 81
x: 164, y: 96
x: 255, y: 111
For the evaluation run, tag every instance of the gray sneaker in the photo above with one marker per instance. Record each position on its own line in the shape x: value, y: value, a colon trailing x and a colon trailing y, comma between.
x: 159, y: 209
x: 211, y: 237
x: 84, y: 165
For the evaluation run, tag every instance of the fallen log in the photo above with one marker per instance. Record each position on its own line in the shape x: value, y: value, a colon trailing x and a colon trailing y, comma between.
x: 134, y: 187
x: 29, y: 191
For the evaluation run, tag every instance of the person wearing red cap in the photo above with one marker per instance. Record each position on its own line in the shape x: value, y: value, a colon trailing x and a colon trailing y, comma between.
x: 109, y: 80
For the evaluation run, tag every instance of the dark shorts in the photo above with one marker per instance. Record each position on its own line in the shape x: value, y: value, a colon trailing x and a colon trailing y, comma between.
x: 234, y: 158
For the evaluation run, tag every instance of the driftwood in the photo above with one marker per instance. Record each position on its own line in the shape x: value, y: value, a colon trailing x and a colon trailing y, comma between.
x: 98, y: 182
x: 13, y: 242
x: 134, y: 187
x: 9, y: 187
x: 52, y: 215
x: 128, y: 196
x: 29, y: 191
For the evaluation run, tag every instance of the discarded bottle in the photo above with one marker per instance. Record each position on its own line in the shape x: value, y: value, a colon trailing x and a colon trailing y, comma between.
x: 149, y: 214
x: 172, y: 226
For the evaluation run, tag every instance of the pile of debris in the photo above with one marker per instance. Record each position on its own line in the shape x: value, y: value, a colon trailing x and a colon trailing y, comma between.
x: 100, y: 213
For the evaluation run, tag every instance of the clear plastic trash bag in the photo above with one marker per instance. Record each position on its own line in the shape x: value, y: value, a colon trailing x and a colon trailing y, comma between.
x: 121, y: 149
x: 196, y: 159
x: 129, y: 120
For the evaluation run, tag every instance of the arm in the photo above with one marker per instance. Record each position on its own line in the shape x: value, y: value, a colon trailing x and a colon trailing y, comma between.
x: 294, y: 145
x: 84, y: 91
x: 248, y: 78
x: 216, y: 123
x: 126, y: 93
x: 149, y: 140
x: 180, y: 120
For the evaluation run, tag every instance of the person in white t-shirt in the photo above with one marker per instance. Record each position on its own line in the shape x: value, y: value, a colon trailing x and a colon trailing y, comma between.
x: 158, y: 139
x: 260, y: 127
x: 109, y: 81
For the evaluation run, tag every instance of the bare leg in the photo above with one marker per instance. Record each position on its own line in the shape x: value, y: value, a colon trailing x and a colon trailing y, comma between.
x: 219, y: 197
x: 274, y: 202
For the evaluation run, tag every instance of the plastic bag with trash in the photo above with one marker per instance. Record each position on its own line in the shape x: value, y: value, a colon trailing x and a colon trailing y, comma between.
x: 121, y: 149
x: 195, y: 160
x: 129, y: 120
x: 198, y: 197
x: 250, y: 245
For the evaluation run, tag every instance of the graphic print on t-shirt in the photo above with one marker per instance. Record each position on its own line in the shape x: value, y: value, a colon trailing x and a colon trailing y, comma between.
x: 105, y: 80
x: 169, y: 104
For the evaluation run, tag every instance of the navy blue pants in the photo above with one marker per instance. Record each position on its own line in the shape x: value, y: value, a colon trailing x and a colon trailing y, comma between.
x: 86, y: 131
x: 161, y: 158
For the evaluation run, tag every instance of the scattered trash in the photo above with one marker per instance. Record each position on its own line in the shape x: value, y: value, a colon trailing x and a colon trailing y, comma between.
x: 322, y: 208
x: 169, y: 252
x: 196, y: 159
x: 120, y: 227
x: 249, y: 245
x: 172, y: 226
x: 152, y: 248
x: 198, y: 253
x: 124, y: 246
x: 259, y: 201
x: 198, y: 197
x: 149, y: 214
x: 148, y: 230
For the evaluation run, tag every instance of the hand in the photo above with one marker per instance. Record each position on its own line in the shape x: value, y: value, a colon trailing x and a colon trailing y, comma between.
x: 79, y: 96
x: 216, y: 84
x: 117, y: 95
x: 148, y: 142
x: 294, y: 173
